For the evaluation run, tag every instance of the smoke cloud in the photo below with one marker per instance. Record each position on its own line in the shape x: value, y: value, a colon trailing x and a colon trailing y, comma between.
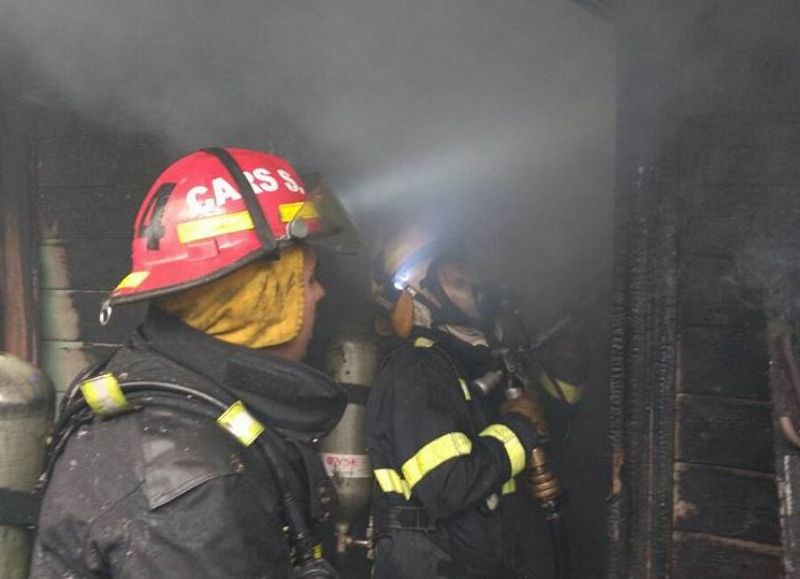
x: 494, y: 122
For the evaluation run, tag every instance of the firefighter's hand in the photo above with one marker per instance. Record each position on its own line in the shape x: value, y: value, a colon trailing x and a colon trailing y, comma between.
x: 527, y: 404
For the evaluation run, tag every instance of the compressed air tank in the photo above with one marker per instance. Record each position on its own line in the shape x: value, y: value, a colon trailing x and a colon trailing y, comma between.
x: 26, y: 415
x: 351, y: 360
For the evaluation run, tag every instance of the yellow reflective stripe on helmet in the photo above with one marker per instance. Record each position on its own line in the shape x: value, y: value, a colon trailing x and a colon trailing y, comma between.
x: 423, y: 343
x: 391, y: 482
x: 561, y: 390
x: 301, y: 209
x: 510, y: 486
x: 213, y: 226
x: 465, y: 389
x: 433, y: 454
x: 239, y: 422
x: 514, y: 449
x: 133, y: 279
x: 104, y: 395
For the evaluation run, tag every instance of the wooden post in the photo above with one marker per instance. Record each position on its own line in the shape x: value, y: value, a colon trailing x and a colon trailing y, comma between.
x: 18, y: 319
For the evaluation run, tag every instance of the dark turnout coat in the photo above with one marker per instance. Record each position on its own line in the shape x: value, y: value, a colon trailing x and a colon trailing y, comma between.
x: 163, y: 491
x: 436, y: 448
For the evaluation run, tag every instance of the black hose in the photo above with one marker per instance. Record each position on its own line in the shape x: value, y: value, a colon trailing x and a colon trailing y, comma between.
x: 558, y: 537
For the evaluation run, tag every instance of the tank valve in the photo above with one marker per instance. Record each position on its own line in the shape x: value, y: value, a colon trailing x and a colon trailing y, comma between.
x: 345, y: 541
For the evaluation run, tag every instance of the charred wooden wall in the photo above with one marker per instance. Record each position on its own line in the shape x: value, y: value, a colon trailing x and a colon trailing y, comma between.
x: 708, y: 174
x: 87, y: 184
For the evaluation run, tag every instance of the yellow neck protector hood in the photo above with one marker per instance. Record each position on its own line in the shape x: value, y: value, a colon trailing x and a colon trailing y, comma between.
x: 257, y: 306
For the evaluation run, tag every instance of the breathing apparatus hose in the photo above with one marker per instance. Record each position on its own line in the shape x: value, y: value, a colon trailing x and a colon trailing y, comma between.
x: 309, y: 566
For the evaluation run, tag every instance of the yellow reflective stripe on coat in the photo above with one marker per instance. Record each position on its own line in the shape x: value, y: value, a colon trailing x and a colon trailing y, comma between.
x: 391, y: 482
x: 514, y: 449
x: 239, y: 422
x: 433, y: 454
x: 465, y: 389
x: 423, y: 342
x: 104, y: 395
x: 510, y: 486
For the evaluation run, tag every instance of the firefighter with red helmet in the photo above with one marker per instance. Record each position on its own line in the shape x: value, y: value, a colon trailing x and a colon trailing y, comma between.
x: 446, y: 462
x: 190, y: 452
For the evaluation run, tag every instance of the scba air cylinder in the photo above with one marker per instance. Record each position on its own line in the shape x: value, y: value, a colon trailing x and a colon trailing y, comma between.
x: 26, y: 415
x: 352, y: 361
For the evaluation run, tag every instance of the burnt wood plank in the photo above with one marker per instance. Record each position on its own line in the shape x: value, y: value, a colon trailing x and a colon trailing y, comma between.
x: 726, y: 220
x: 787, y: 459
x: 713, y: 293
x: 18, y: 319
x: 726, y: 502
x: 724, y: 361
x: 697, y: 556
x: 89, y: 213
x: 752, y: 151
x: 732, y: 235
x: 73, y: 315
x: 766, y: 202
x: 725, y: 432
x: 63, y: 360
x: 83, y: 264
x: 99, y: 160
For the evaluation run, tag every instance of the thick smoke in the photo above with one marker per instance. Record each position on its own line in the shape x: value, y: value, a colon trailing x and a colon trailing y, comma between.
x: 492, y: 121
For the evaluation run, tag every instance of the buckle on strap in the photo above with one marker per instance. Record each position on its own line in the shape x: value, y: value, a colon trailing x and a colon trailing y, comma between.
x: 410, y: 519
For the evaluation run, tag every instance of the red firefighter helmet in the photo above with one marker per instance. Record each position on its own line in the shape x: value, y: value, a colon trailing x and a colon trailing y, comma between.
x: 216, y: 210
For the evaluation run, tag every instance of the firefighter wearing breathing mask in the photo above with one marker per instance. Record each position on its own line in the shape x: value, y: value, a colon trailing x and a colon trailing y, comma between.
x: 446, y: 462
x: 190, y: 452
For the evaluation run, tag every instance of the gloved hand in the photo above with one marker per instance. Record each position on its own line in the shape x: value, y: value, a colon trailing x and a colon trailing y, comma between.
x: 528, y: 405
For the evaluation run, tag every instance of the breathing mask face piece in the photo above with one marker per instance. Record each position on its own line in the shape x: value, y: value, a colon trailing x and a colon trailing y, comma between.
x: 460, y: 287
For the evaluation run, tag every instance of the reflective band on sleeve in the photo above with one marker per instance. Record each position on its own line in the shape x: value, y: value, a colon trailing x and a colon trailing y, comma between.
x: 317, y: 551
x: 103, y: 395
x: 423, y: 343
x: 301, y: 209
x: 433, y: 454
x: 133, y: 279
x: 465, y: 389
x: 391, y: 482
x: 239, y: 422
x: 213, y: 226
x: 514, y: 448
x: 510, y: 486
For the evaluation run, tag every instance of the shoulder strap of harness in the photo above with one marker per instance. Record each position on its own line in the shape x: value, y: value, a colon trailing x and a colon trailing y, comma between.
x: 104, y: 396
